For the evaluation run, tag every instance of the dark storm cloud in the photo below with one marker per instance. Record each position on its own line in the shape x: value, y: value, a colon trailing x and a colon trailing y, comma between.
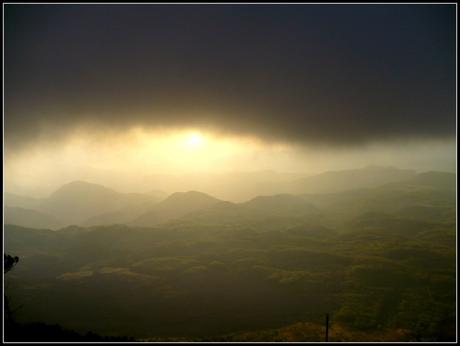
x: 339, y: 75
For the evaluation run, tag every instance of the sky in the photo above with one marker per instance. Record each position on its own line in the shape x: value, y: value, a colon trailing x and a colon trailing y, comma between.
x: 180, y: 88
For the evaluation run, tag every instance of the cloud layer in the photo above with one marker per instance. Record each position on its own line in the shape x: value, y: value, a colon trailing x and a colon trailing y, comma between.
x: 320, y: 74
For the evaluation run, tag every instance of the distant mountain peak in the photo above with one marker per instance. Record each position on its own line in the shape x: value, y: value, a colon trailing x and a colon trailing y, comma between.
x: 82, y: 183
x: 338, y: 181
x: 190, y: 195
x: 380, y: 167
x: 176, y: 205
x: 80, y: 186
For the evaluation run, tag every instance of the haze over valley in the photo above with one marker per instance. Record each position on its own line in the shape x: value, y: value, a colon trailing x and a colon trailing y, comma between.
x: 87, y: 204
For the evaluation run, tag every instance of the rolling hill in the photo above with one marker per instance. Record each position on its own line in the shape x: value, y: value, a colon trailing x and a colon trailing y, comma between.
x: 79, y: 201
x: 30, y: 218
x: 175, y: 206
x: 423, y: 196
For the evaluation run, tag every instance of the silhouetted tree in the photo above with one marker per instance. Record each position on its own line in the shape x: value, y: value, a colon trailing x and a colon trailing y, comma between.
x: 9, y: 262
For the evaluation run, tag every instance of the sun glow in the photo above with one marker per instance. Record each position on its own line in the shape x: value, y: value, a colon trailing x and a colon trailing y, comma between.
x: 184, y: 150
x: 95, y: 156
x: 194, y: 140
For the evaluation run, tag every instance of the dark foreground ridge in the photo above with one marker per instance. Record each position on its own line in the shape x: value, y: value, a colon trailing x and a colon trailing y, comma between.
x: 40, y: 332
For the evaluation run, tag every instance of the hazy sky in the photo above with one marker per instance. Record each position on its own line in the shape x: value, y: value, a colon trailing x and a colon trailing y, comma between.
x: 165, y: 88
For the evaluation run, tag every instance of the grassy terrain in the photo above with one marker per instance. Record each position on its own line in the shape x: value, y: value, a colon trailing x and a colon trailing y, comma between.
x: 266, y: 270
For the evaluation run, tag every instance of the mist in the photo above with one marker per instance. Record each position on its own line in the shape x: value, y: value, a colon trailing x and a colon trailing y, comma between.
x: 139, y: 160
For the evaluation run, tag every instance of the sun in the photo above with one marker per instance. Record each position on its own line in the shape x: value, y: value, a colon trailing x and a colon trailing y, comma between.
x: 194, y: 140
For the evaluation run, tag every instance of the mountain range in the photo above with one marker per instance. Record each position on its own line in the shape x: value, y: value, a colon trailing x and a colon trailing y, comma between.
x: 191, y: 265
x: 320, y: 196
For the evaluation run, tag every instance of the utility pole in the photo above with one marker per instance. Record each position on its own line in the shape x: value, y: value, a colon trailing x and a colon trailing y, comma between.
x: 327, y: 327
